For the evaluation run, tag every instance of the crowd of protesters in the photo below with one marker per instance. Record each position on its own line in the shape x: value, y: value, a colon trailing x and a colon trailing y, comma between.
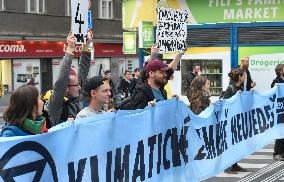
x: 74, y: 96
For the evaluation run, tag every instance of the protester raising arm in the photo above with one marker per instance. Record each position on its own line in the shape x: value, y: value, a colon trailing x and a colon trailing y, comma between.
x: 84, y: 65
x: 175, y: 61
x: 55, y: 104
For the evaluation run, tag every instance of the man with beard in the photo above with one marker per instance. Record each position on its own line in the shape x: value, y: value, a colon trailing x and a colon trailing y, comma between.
x: 152, y: 89
x: 248, y: 84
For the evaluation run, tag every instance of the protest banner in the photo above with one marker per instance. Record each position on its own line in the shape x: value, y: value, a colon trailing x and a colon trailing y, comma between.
x: 166, y: 143
x: 79, y: 20
x: 171, y: 30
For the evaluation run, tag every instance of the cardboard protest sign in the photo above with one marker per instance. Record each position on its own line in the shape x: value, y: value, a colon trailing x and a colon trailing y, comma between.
x: 171, y: 30
x: 79, y: 20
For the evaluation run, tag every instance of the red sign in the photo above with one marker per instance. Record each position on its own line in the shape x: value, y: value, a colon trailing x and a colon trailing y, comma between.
x: 16, y: 49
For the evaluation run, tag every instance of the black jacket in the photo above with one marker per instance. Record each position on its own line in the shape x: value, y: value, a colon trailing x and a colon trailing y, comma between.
x: 189, y: 79
x: 141, y: 96
x: 277, y: 80
x: 132, y: 85
x: 232, y: 90
x: 124, y: 88
x: 249, y: 81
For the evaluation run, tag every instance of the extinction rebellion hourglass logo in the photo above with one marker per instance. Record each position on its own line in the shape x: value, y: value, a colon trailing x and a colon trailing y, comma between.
x: 8, y: 173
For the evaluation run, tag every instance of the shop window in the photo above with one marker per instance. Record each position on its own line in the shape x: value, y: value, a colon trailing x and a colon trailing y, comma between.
x: 2, y: 5
x: 106, y: 9
x: 68, y: 7
x: 35, y: 6
x: 5, y: 77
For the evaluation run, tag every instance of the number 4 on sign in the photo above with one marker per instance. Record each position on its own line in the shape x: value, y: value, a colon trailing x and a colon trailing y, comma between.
x: 79, y: 21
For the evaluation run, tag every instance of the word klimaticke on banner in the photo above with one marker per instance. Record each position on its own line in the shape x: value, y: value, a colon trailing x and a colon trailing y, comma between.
x: 171, y: 30
x: 79, y: 21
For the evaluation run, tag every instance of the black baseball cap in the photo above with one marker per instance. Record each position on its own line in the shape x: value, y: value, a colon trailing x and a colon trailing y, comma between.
x: 93, y: 83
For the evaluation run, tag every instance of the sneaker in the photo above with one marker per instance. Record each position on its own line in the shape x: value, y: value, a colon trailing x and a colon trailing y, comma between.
x: 278, y: 157
x: 230, y: 170
x: 239, y: 168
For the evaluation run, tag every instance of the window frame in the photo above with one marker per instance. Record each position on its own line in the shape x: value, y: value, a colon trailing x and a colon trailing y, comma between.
x: 3, y: 5
x: 37, y: 4
x: 107, y: 9
x: 68, y: 8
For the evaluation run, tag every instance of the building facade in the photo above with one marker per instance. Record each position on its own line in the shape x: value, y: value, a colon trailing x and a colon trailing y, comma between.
x: 33, y: 35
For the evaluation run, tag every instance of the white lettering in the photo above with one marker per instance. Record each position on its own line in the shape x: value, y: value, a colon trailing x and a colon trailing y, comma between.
x: 239, y: 2
x: 12, y: 48
x: 78, y: 48
x: 248, y: 13
x: 229, y: 14
x: 257, y: 12
x: 257, y: 2
x: 239, y: 14
x: 274, y: 11
x: 250, y: 2
x: 265, y: 13
x: 211, y: 2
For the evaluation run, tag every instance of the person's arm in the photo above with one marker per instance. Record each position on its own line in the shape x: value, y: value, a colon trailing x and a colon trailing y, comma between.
x: 273, y: 83
x: 85, y: 59
x: 60, y: 86
x: 84, y: 66
x: 138, y: 101
x: 175, y: 61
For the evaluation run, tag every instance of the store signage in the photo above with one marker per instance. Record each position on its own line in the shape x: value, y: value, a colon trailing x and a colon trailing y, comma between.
x: 20, y: 49
x: 129, y: 42
x: 146, y: 34
x: 207, y: 11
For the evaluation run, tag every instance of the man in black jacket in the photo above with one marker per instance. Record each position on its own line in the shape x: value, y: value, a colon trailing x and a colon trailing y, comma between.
x: 134, y: 80
x: 150, y: 90
x: 248, y: 84
x: 195, y: 71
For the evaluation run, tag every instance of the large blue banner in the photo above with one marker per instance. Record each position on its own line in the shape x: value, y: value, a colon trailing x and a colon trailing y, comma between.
x: 162, y: 143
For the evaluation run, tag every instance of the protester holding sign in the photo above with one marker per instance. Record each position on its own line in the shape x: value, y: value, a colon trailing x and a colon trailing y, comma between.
x: 237, y: 77
x: 98, y: 94
x: 24, y: 113
x: 69, y: 84
x: 199, y: 94
x: 279, y: 143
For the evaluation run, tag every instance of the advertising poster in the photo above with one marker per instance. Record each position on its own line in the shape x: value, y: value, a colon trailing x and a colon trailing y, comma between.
x: 27, y: 71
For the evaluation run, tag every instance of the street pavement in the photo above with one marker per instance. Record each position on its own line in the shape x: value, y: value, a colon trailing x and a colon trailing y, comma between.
x: 261, y: 168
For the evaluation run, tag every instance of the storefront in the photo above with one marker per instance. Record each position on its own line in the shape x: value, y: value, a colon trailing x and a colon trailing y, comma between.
x: 37, y: 63
x: 217, y: 42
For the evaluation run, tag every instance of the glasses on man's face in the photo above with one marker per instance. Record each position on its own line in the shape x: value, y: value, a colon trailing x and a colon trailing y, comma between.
x: 75, y: 85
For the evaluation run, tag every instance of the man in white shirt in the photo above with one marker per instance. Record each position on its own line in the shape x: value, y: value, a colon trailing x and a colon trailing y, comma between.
x: 97, y: 93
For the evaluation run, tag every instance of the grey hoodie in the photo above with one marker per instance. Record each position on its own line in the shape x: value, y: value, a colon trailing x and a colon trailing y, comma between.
x: 58, y: 110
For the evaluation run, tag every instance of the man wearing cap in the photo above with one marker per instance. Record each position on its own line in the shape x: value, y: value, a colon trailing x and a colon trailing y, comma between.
x: 97, y: 93
x: 150, y: 90
x: 68, y: 84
